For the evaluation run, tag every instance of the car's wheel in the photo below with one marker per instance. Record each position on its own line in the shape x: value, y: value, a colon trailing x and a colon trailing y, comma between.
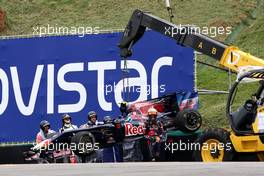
x: 260, y: 156
x: 213, y: 145
x: 83, y: 143
x: 188, y: 120
x: 43, y: 161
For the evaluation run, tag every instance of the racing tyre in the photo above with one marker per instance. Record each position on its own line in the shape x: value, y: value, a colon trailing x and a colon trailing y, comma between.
x: 43, y: 161
x: 213, y: 145
x: 188, y: 120
x: 260, y: 156
x: 84, y: 143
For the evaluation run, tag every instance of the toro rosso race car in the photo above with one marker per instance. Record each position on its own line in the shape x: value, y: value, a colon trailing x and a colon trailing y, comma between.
x: 128, y: 126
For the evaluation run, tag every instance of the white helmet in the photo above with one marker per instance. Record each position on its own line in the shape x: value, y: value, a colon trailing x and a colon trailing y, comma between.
x: 152, y: 111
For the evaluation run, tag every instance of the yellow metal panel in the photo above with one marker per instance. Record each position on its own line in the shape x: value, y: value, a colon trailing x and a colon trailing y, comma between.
x: 239, y: 59
x: 247, y: 143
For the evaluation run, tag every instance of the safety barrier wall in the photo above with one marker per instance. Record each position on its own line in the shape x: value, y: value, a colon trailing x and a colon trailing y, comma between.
x: 44, y: 77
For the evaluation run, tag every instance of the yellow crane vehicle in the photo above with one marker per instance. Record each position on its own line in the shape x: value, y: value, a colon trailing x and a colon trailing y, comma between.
x: 246, y: 134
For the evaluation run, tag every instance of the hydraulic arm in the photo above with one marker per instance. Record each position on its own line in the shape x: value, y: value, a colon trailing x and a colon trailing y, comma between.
x: 228, y: 56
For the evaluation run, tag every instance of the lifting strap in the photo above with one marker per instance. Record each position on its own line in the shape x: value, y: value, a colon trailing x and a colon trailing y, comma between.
x: 125, y: 77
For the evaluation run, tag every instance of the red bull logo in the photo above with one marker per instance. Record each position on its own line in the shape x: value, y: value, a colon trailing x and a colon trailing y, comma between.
x: 131, y: 130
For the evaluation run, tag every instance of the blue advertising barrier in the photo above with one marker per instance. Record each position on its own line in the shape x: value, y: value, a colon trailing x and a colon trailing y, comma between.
x: 45, y: 77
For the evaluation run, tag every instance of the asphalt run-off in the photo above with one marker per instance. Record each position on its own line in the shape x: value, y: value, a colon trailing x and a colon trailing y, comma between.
x: 136, y: 169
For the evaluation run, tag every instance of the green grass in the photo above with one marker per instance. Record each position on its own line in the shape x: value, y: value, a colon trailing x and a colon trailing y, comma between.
x: 252, y: 38
x: 114, y: 14
x: 107, y: 14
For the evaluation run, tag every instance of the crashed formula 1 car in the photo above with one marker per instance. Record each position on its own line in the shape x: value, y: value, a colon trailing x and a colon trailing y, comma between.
x: 130, y: 126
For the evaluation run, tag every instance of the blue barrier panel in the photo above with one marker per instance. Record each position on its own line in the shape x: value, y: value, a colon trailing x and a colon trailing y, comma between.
x: 42, y: 78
